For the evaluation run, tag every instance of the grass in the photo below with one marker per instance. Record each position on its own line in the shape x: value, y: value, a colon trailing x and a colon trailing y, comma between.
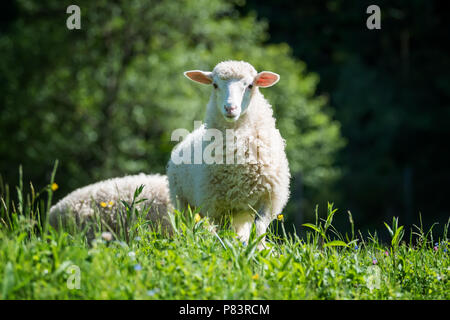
x: 38, y: 262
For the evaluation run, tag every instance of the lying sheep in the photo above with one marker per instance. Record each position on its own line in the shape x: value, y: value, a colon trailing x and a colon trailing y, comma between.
x: 105, y: 197
x: 254, y: 186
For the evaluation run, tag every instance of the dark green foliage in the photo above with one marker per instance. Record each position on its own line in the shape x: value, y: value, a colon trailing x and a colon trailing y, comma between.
x: 391, y: 92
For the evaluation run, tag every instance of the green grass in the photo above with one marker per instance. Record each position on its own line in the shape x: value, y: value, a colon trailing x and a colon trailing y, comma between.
x: 38, y: 262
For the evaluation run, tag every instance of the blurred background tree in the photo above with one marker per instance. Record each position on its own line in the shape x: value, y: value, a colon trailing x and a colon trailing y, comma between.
x: 105, y: 99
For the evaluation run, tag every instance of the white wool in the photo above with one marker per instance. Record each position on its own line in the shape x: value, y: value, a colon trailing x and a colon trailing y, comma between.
x: 82, y: 203
x: 236, y: 189
x: 234, y: 70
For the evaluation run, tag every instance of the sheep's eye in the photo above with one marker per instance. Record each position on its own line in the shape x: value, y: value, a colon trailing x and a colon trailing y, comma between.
x: 215, y: 85
x: 250, y: 86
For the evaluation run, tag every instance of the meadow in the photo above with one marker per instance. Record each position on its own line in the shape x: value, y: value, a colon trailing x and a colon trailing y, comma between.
x: 39, y: 262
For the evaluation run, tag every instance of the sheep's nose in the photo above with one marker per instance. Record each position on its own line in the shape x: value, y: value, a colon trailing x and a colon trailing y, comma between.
x: 230, y: 109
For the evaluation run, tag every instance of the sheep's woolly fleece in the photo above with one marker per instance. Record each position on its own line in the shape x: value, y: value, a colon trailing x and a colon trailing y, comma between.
x: 234, y: 70
x: 219, y: 189
x: 105, y: 196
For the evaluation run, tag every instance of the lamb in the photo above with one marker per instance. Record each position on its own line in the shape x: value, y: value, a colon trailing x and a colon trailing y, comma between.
x: 252, y: 184
x: 106, y: 196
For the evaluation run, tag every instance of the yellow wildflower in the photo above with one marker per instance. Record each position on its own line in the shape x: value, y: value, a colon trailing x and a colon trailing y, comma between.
x: 255, y: 277
x: 197, y: 218
x: 280, y: 217
x: 103, y: 204
x: 111, y: 203
x: 54, y: 186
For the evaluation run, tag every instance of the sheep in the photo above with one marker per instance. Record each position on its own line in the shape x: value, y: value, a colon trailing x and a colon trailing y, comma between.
x: 106, y: 196
x: 250, y: 190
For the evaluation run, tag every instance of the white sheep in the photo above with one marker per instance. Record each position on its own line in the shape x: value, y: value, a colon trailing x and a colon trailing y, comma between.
x: 254, y: 187
x: 105, y: 198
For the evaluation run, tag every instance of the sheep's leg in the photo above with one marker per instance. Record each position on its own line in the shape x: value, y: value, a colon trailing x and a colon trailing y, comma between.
x: 242, y: 225
x: 262, y: 222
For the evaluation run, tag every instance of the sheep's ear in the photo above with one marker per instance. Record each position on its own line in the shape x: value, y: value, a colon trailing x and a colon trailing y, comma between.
x: 266, y: 79
x: 199, y: 76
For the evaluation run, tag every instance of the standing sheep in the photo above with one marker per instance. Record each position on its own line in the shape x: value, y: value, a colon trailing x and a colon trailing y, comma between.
x: 254, y: 189
x: 106, y: 196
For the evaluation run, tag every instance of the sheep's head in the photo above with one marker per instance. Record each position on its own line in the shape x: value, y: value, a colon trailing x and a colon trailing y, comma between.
x: 234, y: 83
